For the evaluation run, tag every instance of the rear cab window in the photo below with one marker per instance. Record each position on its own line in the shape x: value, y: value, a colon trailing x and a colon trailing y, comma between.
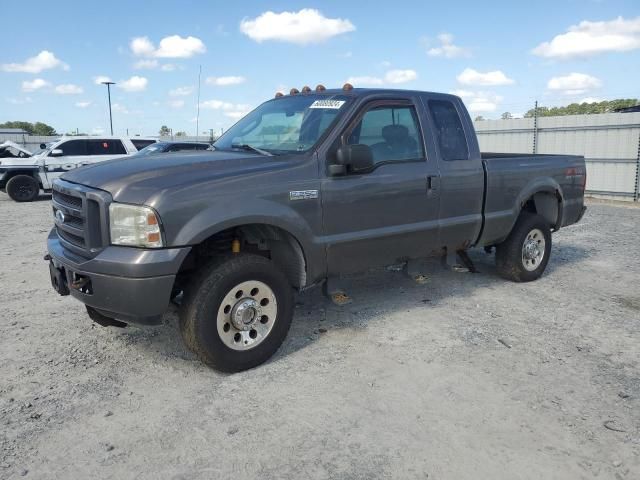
x: 449, y: 132
x: 105, y: 147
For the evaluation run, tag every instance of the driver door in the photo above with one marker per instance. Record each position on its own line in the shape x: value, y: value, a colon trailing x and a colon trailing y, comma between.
x: 388, y: 214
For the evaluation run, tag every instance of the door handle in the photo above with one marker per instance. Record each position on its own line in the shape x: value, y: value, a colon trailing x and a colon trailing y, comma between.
x: 433, y: 183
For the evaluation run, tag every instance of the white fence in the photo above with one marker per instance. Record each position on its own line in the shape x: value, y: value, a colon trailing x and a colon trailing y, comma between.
x: 610, y: 143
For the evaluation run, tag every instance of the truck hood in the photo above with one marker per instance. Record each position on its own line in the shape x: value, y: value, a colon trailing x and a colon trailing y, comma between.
x: 138, y: 180
x: 5, y: 145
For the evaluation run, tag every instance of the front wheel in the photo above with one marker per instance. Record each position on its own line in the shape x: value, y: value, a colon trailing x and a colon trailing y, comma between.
x: 524, y: 255
x: 236, y: 313
x: 23, y: 188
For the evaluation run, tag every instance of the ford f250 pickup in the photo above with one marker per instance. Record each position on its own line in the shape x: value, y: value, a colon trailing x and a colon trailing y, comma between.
x: 307, y: 187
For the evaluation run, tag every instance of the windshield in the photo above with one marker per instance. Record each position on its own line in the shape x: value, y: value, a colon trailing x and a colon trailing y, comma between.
x: 286, y: 125
x: 151, y: 149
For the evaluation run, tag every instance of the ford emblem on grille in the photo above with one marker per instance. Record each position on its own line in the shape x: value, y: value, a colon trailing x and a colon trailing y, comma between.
x: 60, y: 216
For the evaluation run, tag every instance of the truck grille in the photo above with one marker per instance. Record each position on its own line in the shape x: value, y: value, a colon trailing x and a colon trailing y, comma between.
x: 80, y: 216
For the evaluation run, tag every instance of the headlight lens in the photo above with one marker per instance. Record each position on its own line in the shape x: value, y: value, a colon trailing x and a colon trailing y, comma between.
x: 134, y: 226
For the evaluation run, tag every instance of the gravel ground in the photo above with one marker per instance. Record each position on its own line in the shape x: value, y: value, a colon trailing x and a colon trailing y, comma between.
x: 463, y: 376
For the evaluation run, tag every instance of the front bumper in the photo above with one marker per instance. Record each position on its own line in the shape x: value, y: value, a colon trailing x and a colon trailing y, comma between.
x: 129, y: 284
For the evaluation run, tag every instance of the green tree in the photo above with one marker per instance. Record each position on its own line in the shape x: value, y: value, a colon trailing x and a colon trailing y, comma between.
x: 40, y: 128
x: 164, y: 131
x: 181, y: 134
x: 479, y: 118
x: 506, y: 116
x: 606, y: 106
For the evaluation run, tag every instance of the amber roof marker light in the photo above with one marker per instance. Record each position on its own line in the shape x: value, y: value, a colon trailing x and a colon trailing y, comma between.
x: 279, y: 94
x: 347, y: 87
x: 294, y: 91
x: 306, y: 89
x: 320, y: 88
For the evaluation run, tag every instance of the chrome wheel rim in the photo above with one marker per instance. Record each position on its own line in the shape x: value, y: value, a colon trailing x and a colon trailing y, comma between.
x: 246, y: 315
x: 533, y: 250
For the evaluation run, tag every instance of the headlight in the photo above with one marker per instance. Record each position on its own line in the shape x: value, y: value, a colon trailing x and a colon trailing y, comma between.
x: 134, y: 226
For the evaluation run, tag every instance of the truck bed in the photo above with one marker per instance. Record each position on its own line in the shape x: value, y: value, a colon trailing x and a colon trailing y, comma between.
x: 511, y: 179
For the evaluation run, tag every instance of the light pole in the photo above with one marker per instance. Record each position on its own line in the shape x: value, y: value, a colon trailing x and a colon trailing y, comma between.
x: 108, y: 84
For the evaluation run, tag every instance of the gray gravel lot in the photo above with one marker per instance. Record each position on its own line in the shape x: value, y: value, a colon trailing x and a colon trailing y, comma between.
x: 464, y: 376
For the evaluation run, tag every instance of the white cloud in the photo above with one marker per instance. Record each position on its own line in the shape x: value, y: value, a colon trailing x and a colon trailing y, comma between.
x: 231, y: 110
x: 365, y: 81
x: 173, y: 46
x: 176, y: 103
x: 304, y: 27
x: 392, y: 77
x: 146, y: 64
x: 181, y: 91
x: 19, y: 101
x: 447, y: 48
x: 133, y: 84
x: 592, y: 38
x: 217, y: 105
x: 469, y: 76
x: 35, y: 84
x: 225, y: 81
x: 101, y: 78
x: 68, y: 89
x: 400, y: 76
x: 117, y: 107
x: 168, y: 67
x: 479, y: 102
x: 45, y: 60
x: 591, y: 100
x: 574, y: 84
x: 83, y: 104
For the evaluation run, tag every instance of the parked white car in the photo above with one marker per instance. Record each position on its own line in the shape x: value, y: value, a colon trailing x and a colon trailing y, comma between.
x: 23, y: 174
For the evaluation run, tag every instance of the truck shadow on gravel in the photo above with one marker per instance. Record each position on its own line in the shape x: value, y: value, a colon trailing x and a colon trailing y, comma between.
x: 374, y: 295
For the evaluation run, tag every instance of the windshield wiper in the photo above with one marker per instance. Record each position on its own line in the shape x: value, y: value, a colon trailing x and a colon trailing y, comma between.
x: 245, y: 146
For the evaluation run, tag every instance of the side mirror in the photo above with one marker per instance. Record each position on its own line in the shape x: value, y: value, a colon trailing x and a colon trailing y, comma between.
x: 56, y: 152
x: 43, y: 146
x: 352, y: 158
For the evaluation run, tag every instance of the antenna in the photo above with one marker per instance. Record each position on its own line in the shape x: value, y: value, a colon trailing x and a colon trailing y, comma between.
x: 198, y: 114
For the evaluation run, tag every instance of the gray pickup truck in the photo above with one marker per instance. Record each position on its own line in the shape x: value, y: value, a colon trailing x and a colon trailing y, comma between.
x: 307, y: 187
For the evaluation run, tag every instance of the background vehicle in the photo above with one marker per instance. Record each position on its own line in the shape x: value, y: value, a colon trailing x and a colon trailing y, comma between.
x: 165, y: 147
x: 23, y: 177
x: 303, y: 189
x: 10, y: 149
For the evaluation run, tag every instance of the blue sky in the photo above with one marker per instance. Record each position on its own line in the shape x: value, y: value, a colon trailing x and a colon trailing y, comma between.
x: 499, y: 56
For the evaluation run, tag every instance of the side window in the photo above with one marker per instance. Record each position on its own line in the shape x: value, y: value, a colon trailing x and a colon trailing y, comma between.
x: 140, y: 144
x: 105, y: 147
x: 449, y: 132
x: 74, y: 147
x: 392, y: 132
x: 201, y: 146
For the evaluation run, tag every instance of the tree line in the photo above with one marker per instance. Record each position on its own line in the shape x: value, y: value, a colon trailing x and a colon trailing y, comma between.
x: 37, y: 128
x: 585, y: 108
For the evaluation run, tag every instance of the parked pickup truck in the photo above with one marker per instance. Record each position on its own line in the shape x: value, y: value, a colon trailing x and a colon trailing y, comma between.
x: 22, y: 175
x: 307, y: 187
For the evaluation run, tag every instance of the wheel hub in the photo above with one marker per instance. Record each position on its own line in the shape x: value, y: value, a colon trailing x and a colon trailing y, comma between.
x: 533, y: 249
x: 245, y: 313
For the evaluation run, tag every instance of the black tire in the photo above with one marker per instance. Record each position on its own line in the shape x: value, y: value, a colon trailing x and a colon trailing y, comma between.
x: 510, y: 257
x: 203, y: 298
x: 23, y: 188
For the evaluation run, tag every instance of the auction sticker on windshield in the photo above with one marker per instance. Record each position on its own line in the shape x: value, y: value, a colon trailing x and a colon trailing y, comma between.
x: 334, y: 104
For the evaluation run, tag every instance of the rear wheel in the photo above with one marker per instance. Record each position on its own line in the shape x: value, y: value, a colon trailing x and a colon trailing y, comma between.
x: 23, y: 188
x: 524, y: 255
x: 236, y: 313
